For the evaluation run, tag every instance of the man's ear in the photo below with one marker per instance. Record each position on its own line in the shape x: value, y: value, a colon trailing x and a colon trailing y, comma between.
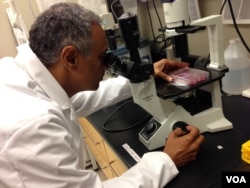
x: 69, y: 57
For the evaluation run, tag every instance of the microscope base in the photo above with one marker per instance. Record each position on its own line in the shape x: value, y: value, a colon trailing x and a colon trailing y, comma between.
x: 211, y: 120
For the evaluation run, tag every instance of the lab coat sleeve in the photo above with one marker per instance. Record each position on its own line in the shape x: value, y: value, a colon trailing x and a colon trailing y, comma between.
x: 110, y: 91
x: 155, y: 170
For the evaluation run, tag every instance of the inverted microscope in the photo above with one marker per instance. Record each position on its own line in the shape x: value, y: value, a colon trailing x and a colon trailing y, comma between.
x: 172, y: 105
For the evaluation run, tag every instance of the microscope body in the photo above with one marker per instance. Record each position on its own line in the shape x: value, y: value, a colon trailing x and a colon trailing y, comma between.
x: 165, y: 111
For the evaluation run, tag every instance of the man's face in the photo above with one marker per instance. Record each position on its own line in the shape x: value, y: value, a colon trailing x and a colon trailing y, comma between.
x: 92, y: 68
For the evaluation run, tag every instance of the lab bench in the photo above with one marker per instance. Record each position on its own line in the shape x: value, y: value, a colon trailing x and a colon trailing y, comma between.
x: 220, y: 152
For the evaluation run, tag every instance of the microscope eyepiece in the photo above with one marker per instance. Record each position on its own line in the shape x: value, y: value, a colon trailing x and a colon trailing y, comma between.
x: 114, y: 62
x: 110, y: 59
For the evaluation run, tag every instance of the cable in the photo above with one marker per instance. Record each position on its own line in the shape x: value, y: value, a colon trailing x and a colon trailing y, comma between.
x: 161, y: 38
x: 124, y: 129
x: 150, y: 20
x: 157, y: 13
x: 111, y: 7
x: 222, y: 7
x: 236, y: 27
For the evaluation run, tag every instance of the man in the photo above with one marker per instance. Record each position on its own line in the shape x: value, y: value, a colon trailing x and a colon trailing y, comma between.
x: 48, y: 85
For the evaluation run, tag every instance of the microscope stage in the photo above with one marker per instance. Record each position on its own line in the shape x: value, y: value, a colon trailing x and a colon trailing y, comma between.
x: 167, y: 90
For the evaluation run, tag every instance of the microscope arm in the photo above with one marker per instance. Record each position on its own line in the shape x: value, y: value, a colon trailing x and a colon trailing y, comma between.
x: 215, y: 37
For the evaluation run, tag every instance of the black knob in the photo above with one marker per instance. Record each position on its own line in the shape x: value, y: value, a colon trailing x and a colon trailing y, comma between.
x: 150, y: 127
x: 181, y: 124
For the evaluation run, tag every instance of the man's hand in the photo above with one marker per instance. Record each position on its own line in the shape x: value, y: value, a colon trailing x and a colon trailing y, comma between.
x: 183, y: 148
x: 164, y: 66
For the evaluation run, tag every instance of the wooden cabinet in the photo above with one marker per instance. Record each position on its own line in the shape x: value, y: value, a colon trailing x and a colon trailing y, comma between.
x: 106, y: 158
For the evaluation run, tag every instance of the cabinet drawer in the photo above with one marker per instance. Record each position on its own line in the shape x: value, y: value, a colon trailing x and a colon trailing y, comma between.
x: 106, y: 158
x: 89, y: 131
x: 118, y: 167
x: 98, y: 152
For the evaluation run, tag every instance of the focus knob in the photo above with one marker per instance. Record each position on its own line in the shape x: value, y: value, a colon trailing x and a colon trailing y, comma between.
x: 150, y: 127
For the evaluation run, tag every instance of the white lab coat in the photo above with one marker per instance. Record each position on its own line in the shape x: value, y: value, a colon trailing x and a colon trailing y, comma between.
x: 40, y: 139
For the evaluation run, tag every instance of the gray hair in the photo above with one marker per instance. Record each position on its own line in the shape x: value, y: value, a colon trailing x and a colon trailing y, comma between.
x: 61, y: 25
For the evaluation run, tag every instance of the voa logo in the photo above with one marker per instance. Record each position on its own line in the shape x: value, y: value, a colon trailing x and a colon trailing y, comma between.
x: 236, y: 179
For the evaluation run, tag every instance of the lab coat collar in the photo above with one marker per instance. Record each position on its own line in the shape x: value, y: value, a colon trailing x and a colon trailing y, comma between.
x: 27, y: 59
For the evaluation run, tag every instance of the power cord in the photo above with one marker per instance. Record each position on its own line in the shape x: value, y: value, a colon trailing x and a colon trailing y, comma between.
x: 236, y: 27
x: 234, y: 22
x: 104, y: 124
x: 222, y: 7
x: 112, y: 8
x: 159, y: 39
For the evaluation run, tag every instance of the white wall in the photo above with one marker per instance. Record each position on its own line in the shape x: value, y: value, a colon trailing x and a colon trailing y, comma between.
x: 7, y: 44
x: 197, y: 42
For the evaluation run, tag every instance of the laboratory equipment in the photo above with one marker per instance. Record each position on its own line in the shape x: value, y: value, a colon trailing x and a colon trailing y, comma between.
x: 176, y: 14
x: 238, y: 77
x: 161, y: 99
